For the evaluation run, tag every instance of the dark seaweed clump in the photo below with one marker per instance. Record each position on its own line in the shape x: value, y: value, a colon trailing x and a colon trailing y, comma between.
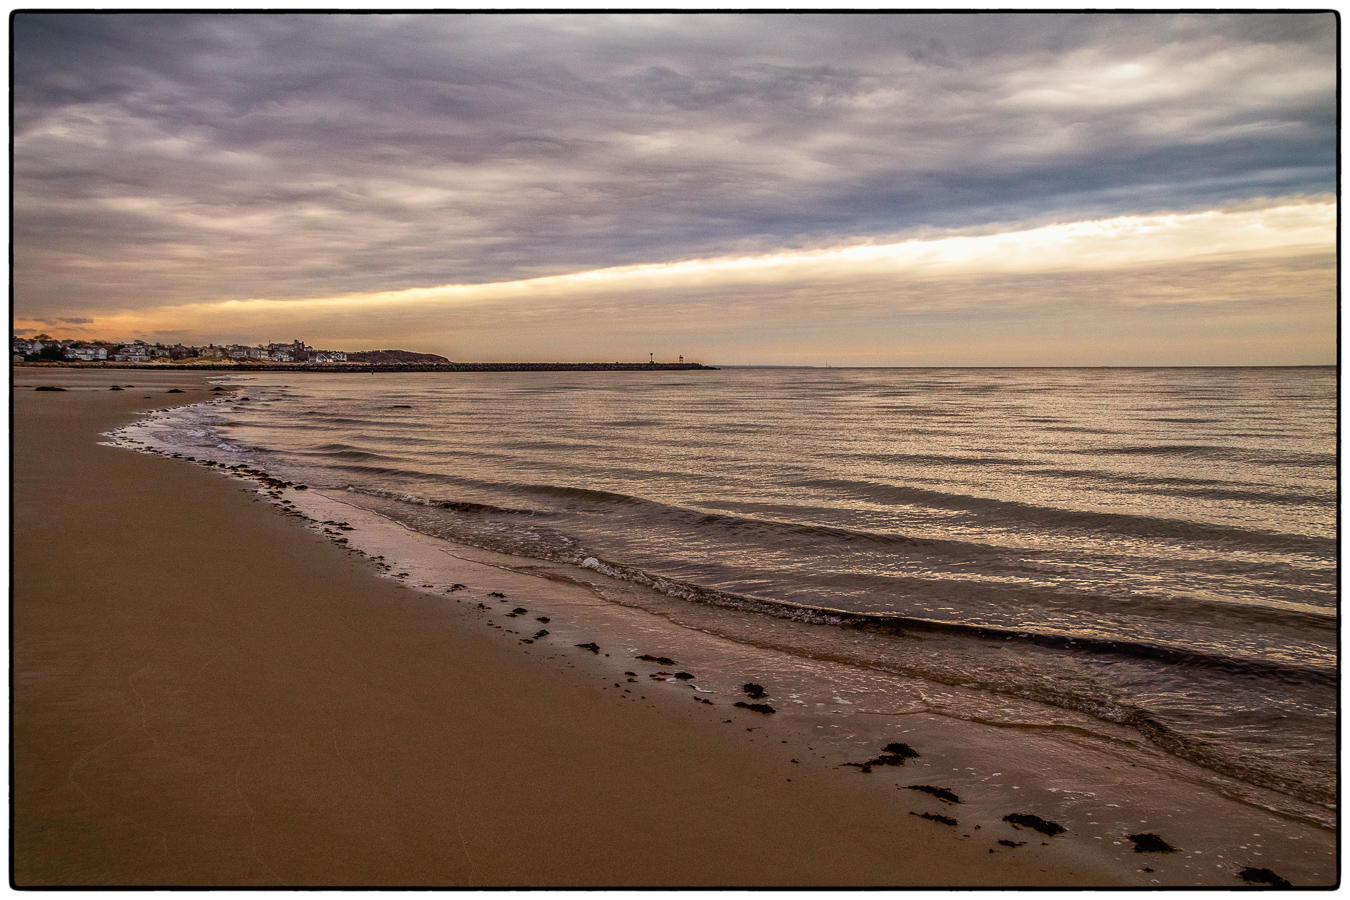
x: 934, y: 817
x: 659, y: 660
x: 1148, y: 842
x: 592, y: 646
x: 1263, y: 876
x: 48, y: 387
x: 1025, y: 820
x: 891, y: 755
x: 755, y: 691
x: 756, y: 707
x: 941, y: 793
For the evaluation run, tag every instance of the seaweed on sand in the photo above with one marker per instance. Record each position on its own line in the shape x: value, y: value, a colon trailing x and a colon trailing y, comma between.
x: 1026, y: 820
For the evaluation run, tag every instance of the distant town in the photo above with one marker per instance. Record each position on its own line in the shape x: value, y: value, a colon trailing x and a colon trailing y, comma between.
x: 43, y: 348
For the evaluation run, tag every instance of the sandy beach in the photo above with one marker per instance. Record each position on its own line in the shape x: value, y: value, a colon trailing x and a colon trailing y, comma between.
x: 208, y: 693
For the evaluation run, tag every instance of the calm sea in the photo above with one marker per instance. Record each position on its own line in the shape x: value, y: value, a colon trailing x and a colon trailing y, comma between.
x: 1151, y: 548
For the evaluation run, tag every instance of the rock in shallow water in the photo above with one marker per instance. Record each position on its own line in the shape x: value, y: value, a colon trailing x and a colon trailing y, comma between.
x: 1147, y: 842
x: 1263, y: 876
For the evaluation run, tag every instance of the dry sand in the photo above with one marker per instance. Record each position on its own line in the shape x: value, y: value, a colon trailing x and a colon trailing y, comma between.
x: 207, y: 694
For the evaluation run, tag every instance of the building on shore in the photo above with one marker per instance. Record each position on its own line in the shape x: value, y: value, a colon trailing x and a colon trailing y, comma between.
x: 84, y: 351
x: 136, y: 351
x: 23, y: 347
x: 297, y: 351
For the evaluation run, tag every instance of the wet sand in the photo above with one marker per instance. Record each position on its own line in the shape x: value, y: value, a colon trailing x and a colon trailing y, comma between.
x: 208, y: 694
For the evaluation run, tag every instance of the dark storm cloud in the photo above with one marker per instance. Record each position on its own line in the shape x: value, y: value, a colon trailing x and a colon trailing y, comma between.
x: 163, y: 158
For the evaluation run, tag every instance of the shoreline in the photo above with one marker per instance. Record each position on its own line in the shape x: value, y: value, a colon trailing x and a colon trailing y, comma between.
x: 229, y: 648
x: 368, y: 368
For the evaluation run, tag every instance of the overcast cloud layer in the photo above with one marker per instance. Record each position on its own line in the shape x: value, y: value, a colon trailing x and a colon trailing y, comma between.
x: 164, y: 160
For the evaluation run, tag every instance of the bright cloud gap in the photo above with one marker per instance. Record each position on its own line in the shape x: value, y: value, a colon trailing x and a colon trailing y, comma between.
x: 1097, y: 244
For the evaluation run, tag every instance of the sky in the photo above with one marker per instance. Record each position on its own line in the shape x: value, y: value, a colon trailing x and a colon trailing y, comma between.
x: 736, y: 189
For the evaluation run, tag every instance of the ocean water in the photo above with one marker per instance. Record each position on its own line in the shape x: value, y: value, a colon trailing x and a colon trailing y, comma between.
x: 1151, y: 549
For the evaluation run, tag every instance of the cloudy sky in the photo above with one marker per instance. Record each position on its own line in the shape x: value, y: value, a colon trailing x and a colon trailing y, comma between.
x: 740, y: 189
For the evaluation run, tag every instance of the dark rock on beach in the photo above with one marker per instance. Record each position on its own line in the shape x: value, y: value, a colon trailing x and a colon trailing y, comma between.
x: 1148, y: 842
x: 684, y: 676
x: 49, y: 387
x: 1007, y: 843
x: 174, y: 391
x: 941, y: 793
x: 1025, y: 820
x: 659, y: 660
x: 934, y: 817
x: 591, y: 646
x: 1263, y: 876
x: 764, y: 708
x: 755, y: 691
